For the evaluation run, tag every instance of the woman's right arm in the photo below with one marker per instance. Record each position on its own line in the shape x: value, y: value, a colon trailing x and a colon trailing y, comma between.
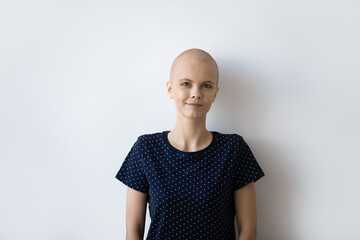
x: 135, y: 214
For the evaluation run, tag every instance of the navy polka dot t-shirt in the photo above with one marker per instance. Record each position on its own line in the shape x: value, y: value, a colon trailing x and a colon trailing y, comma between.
x: 190, y: 193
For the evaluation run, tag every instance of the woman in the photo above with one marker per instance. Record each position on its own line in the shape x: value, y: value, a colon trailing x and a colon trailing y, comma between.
x: 194, y: 180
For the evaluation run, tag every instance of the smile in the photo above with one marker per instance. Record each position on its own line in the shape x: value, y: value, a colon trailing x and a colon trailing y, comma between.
x: 194, y: 105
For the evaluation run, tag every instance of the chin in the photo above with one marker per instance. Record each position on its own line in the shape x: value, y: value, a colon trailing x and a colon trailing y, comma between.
x: 194, y: 115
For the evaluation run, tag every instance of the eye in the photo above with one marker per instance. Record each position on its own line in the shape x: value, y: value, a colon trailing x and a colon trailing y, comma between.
x: 207, y: 85
x: 184, y: 84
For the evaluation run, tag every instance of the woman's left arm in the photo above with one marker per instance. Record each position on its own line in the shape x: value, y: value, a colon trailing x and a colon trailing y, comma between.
x: 245, y: 207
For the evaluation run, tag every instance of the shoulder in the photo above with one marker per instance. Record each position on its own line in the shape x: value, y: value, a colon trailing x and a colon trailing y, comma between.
x: 230, y: 138
x: 147, y: 139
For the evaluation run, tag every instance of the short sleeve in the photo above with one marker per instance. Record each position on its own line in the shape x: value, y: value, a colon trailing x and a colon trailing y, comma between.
x: 131, y: 172
x: 247, y: 169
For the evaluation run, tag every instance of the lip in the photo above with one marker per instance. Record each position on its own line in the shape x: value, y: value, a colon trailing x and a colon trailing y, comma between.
x: 194, y: 104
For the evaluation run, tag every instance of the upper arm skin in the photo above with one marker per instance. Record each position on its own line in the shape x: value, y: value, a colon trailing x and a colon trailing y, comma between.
x: 245, y: 207
x: 135, y: 213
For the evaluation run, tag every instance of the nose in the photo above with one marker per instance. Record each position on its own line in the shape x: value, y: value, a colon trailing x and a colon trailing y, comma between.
x: 195, y: 93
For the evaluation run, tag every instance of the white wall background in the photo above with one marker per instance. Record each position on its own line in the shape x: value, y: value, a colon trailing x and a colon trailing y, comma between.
x: 80, y: 80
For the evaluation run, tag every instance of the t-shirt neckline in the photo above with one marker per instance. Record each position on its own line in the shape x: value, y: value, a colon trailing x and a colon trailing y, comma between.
x: 175, y: 150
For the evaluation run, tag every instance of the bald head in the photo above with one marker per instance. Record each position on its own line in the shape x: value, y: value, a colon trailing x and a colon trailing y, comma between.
x: 197, y: 55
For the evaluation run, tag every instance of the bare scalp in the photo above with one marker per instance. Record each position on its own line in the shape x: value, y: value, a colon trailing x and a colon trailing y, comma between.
x: 194, y: 54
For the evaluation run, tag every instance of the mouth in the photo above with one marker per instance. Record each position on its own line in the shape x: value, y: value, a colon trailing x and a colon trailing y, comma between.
x: 194, y: 104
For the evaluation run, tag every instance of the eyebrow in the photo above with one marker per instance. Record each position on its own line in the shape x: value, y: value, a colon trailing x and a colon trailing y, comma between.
x: 192, y: 81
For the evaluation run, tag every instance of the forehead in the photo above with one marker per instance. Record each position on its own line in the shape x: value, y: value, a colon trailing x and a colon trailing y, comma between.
x: 195, y: 68
x: 190, y: 61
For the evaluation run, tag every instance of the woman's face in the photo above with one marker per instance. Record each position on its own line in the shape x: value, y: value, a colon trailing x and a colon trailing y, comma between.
x: 193, y: 86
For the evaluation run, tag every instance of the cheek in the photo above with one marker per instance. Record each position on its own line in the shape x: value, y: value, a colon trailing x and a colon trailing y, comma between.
x: 180, y: 95
x: 209, y: 95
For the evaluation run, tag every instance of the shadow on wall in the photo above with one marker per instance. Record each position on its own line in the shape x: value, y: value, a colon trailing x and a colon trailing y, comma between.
x: 240, y: 104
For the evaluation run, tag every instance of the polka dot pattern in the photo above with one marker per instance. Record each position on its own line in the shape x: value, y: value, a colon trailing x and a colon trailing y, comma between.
x: 190, y: 193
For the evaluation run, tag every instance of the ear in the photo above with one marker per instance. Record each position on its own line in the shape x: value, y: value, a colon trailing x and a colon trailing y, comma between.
x: 169, y: 89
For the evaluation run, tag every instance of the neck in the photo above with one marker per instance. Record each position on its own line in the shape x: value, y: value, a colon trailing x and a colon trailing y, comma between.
x: 190, y: 131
